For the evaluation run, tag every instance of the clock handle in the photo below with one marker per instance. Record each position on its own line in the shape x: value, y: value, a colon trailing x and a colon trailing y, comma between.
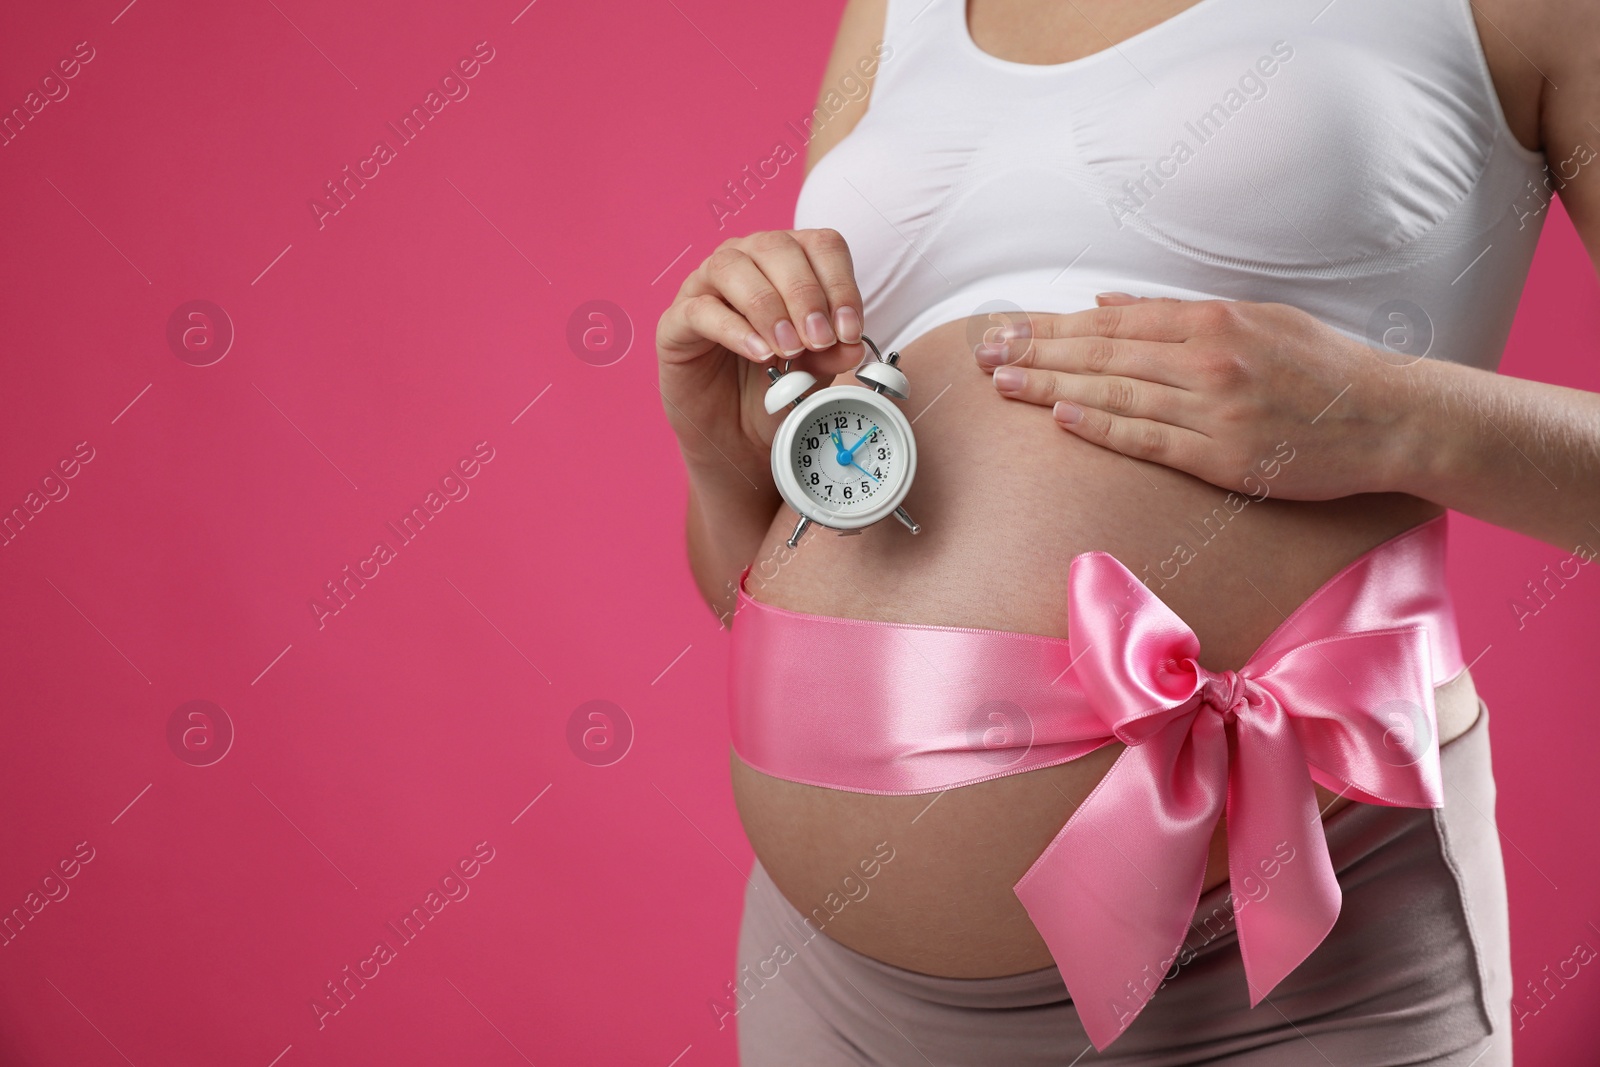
x: 786, y: 388
x: 799, y: 528
x: 881, y: 375
x: 905, y: 517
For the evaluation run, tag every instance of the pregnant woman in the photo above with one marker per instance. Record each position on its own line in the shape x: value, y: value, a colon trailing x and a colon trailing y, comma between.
x: 1155, y: 744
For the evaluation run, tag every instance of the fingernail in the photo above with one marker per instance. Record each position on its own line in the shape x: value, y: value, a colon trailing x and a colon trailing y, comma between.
x: 1114, y: 296
x: 1007, y: 379
x: 1066, y: 413
x: 820, y: 332
x: 1016, y: 331
x: 756, y: 346
x: 992, y: 355
x: 788, y: 340
x: 848, y: 321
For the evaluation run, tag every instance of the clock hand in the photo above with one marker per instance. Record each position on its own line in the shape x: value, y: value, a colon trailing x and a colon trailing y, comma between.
x: 863, y: 437
x: 863, y: 470
x: 841, y: 454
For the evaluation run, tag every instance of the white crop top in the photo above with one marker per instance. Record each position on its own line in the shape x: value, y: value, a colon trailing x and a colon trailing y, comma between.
x: 1350, y: 159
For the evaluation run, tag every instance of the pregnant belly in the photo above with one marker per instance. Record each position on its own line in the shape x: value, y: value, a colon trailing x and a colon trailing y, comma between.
x: 1006, y: 499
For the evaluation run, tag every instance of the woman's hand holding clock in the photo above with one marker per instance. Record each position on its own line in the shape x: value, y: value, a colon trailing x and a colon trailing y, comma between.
x: 755, y: 301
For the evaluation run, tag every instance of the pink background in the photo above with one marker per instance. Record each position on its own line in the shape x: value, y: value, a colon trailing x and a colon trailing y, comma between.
x: 374, y: 751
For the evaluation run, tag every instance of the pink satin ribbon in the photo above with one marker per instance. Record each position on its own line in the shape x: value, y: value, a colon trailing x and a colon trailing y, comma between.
x: 1341, y: 695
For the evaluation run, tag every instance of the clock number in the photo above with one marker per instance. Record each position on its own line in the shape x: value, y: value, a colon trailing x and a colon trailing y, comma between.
x: 830, y: 490
x: 883, y: 453
x: 840, y: 422
x: 847, y: 495
x: 814, y: 478
x: 805, y: 460
x: 865, y: 488
x: 812, y: 442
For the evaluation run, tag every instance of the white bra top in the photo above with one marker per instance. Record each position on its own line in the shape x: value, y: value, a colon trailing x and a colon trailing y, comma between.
x: 1348, y: 158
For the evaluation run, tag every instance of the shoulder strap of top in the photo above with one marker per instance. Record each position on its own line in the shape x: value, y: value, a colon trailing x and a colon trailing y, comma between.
x: 1439, y: 43
x: 916, y: 37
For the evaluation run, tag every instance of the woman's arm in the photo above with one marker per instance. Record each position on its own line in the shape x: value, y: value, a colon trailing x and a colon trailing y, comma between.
x: 860, y: 34
x: 1522, y: 454
x: 729, y: 512
x: 1516, y: 453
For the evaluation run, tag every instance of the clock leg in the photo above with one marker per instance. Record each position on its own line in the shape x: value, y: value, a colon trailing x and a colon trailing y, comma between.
x: 799, y: 528
x: 910, y: 523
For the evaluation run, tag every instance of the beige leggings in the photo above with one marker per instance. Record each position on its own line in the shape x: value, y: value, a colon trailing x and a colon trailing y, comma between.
x: 1416, y: 971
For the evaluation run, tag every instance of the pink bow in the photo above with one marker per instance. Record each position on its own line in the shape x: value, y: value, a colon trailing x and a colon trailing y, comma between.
x: 1114, y: 893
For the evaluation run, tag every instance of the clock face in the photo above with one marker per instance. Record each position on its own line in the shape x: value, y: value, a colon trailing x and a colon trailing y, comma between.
x: 847, y: 456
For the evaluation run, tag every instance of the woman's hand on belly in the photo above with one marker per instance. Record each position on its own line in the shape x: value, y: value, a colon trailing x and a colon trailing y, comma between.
x: 1222, y: 390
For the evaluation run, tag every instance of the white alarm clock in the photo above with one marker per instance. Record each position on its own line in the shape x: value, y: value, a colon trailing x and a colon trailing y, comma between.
x: 845, y: 456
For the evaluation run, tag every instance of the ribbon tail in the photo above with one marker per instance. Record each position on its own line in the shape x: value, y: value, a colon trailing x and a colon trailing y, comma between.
x: 1114, y: 893
x: 1285, y: 892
